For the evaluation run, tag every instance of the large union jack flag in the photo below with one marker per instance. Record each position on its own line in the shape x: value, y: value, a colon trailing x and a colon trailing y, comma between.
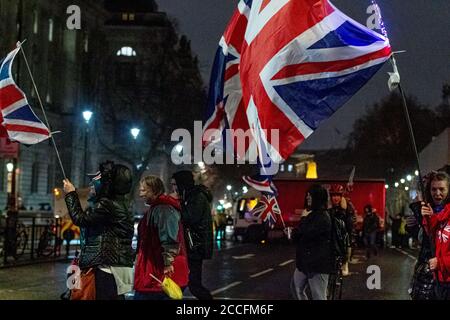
x: 287, y: 65
x: 16, y: 116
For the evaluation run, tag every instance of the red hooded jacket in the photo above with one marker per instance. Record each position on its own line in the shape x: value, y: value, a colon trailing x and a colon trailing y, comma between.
x: 438, y: 225
x: 150, y: 252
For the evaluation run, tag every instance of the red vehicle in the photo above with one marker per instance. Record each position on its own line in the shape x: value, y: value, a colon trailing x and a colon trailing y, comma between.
x: 291, y: 198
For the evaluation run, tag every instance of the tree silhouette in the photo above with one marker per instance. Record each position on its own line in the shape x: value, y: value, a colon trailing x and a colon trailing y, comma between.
x: 380, y: 142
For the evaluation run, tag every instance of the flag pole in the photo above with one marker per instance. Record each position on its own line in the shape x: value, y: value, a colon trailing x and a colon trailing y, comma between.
x: 19, y: 44
x: 395, y: 78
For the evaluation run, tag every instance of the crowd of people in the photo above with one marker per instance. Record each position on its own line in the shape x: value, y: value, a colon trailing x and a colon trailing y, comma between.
x: 174, y: 236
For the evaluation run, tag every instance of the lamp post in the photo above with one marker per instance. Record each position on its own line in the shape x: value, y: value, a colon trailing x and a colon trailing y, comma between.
x: 135, y: 133
x: 11, y: 187
x: 87, y: 115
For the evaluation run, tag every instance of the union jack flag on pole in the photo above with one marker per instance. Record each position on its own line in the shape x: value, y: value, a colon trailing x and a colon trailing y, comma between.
x: 16, y: 115
x: 267, y: 209
x: 288, y: 65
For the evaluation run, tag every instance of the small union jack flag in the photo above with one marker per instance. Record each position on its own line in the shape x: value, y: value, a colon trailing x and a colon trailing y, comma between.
x: 267, y: 209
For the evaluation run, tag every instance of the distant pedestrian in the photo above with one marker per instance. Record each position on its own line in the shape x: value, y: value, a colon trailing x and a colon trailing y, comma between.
x: 371, y: 224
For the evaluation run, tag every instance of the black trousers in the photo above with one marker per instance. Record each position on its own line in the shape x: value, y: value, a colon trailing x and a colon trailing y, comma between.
x: 195, y: 280
x: 105, y: 286
x: 442, y: 290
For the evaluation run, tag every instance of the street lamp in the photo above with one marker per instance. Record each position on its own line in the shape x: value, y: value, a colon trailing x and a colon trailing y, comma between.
x: 87, y: 115
x: 135, y: 132
x: 10, y: 167
x: 229, y: 187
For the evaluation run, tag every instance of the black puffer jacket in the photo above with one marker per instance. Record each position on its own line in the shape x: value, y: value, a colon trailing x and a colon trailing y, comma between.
x: 106, y: 231
x: 107, y: 227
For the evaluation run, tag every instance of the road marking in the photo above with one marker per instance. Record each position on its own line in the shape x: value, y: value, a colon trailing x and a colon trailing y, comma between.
x: 261, y: 273
x: 406, y: 253
x: 245, y: 256
x: 231, y: 285
x: 286, y: 262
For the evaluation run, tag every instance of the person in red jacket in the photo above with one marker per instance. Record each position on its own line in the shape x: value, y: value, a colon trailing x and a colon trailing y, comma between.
x: 161, y: 248
x: 437, y: 225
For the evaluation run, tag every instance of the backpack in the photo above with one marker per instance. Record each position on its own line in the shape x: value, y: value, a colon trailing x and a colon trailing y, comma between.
x: 339, y: 237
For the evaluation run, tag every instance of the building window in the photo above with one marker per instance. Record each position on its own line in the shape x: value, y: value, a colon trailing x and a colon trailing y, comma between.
x: 128, y: 17
x: 48, y: 98
x: 127, y: 52
x: 50, y: 179
x: 34, y: 177
x: 35, y: 22
x: 290, y: 167
x: 50, y: 30
x: 282, y: 168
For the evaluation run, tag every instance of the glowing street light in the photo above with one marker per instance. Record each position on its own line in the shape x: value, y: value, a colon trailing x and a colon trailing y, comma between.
x: 402, y: 181
x: 396, y: 184
x: 229, y: 187
x: 87, y: 115
x: 10, y: 167
x: 409, y: 177
x: 135, y: 132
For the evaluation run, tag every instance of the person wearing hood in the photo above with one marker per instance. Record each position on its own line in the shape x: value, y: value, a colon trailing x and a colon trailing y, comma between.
x: 315, y: 259
x: 197, y: 220
x: 161, y: 248
x: 107, y: 229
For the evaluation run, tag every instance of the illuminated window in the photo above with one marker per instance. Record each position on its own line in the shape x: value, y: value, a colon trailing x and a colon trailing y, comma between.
x: 124, y: 16
x: 290, y: 167
x: 50, y: 30
x: 126, y: 51
x: 35, y: 22
x: 131, y: 17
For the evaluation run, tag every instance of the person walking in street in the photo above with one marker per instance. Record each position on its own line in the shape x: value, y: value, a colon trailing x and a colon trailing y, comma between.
x: 436, y: 222
x: 343, y: 210
x: 107, y: 229
x: 161, y: 248
x: 197, y: 221
x: 315, y: 258
x: 371, y: 224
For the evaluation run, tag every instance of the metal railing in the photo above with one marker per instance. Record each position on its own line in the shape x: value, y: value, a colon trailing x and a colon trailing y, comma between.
x: 31, y: 239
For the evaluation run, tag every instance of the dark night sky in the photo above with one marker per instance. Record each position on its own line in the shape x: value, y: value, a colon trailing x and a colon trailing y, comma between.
x: 422, y: 27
